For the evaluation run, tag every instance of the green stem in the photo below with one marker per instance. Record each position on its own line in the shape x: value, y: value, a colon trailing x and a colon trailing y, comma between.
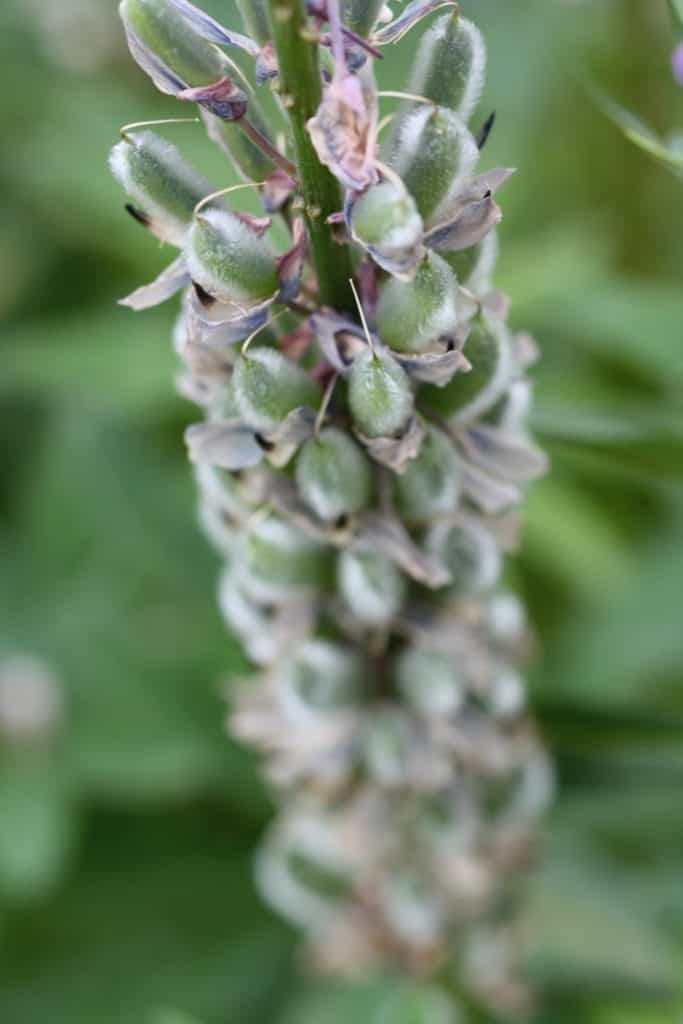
x: 301, y: 92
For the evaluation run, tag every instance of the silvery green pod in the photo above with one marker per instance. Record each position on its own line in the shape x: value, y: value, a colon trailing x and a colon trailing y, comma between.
x: 429, y: 681
x: 433, y: 152
x: 474, y: 267
x: 371, y: 585
x: 320, y: 677
x: 431, y: 483
x: 469, y: 552
x: 384, y: 220
x: 380, y: 394
x: 231, y: 261
x: 163, y: 185
x: 450, y: 64
x: 267, y: 386
x: 469, y: 394
x: 176, y: 55
x: 412, y: 315
x: 333, y: 475
x: 279, y: 560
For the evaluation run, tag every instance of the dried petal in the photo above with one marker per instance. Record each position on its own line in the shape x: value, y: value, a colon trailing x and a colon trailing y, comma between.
x: 395, y: 452
x: 343, y: 132
x: 436, y: 367
x: 390, y: 538
x: 470, y: 226
x: 510, y: 457
x: 340, y: 339
x: 212, y: 30
x: 169, y: 281
x: 291, y: 264
x: 223, y: 98
x: 277, y: 190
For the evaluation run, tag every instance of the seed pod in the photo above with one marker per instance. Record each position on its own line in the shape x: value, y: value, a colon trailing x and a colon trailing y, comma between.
x: 380, y: 395
x: 267, y: 386
x: 385, y: 221
x: 429, y: 681
x: 321, y: 677
x: 230, y: 260
x: 371, y: 585
x: 411, y: 315
x: 278, y: 559
x: 333, y: 475
x: 418, y: 1004
x: 469, y: 552
x: 250, y: 161
x: 169, y: 37
x: 433, y: 152
x: 450, y: 64
x: 469, y: 394
x: 431, y: 483
x: 154, y: 174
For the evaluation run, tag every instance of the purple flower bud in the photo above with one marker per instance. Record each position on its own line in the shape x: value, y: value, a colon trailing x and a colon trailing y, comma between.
x: 677, y: 63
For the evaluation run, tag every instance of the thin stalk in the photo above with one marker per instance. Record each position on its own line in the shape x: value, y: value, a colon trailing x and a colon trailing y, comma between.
x: 301, y: 92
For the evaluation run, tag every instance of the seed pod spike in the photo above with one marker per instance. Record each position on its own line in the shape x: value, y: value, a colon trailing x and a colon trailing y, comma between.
x: 359, y: 305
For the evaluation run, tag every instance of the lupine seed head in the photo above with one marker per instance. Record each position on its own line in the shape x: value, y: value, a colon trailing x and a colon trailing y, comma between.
x: 380, y: 394
x: 371, y: 585
x: 156, y: 176
x: 411, y: 315
x: 433, y: 153
x: 267, y: 386
x: 431, y: 483
x: 333, y: 475
x: 230, y: 260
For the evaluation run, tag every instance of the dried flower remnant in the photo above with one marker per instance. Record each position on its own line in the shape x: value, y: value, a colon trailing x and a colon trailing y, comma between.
x: 361, y: 451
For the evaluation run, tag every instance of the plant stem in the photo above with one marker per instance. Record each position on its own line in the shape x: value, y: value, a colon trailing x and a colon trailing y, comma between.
x: 301, y: 92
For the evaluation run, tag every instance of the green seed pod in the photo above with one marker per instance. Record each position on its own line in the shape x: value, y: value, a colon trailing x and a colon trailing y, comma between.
x: 380, y: 395
x: 333, y: 475
x: 418, y: 1004
x: 429, y: 681
x: 361, y: 15
x: 385, y: 221
x: 412, y: 315
x: 431, y: 483
x: 279, y: 559
x: 154, y: 174
x: 469, y: 394
x: 433, y: 152
x: 321, y: 677
x: 267, y: 386
x: 251, y: 162
x: 450, y: 64
x: 469, y: 552
x: 162, y: 29
x: 230, y: 260
x: 372, y: 587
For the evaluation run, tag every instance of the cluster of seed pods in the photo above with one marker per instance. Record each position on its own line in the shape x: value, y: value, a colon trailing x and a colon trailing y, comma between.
x: 358, y: 467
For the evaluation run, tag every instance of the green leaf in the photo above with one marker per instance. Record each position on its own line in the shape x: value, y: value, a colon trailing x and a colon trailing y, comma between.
x: 668, y: 153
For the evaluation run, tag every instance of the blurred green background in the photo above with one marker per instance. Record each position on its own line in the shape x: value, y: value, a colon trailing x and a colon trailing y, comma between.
x: 125, y: 838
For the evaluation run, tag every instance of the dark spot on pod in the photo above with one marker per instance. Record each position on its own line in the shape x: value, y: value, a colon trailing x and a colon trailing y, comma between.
x: 485, y: 130
x: 139, y: 215
x: 265, y: 444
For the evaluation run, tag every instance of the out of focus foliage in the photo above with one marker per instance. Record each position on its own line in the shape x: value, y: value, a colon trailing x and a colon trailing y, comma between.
x: 125, y: 836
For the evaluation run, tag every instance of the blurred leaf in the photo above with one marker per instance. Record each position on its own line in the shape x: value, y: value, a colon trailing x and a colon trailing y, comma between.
x: 677, y: 12
x: 669, y: 154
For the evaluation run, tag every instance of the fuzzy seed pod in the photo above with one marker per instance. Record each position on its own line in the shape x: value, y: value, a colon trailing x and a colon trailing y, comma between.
x: 279, y: 559
x: 386, y: 222
x: 450, y: 64
x: 473, y: 267
x: 380, y: 395
x: 411, y: 315
x: 333, y: 475
x: 469, y: 394
x: 469, y: 552
x: 433, y: 153
x: 321, y: 677
x: 155, y: 176
x: 267, y: 386
x: 429, y: 681
x: 371, y: 586
x: 230, y: 260
x: 431, y: 483
x: 160, y: 27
